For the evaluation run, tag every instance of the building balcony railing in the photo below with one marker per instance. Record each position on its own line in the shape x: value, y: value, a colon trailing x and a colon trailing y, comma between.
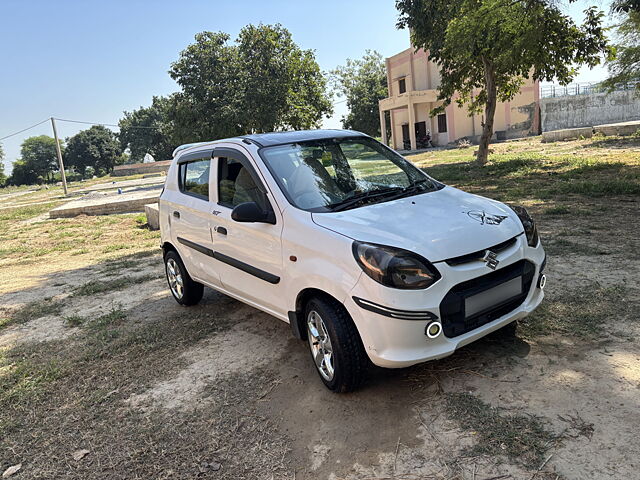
x: 403, y: 100
x: 548, y: 91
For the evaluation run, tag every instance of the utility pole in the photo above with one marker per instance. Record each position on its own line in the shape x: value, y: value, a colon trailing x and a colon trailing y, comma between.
x: 60, y: 162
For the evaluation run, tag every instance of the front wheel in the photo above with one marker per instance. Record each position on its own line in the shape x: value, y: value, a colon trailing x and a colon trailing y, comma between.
x: 184, y: 289
x: 335, y: 345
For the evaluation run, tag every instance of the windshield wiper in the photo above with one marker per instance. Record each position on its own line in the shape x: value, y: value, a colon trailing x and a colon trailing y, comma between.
x: 360, y: 197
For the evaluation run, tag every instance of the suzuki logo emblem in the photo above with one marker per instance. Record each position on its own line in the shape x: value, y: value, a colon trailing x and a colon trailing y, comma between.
x: 491, y: 259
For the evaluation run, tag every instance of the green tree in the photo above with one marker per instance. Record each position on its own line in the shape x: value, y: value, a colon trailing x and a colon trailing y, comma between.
x: 22, y: 174
x: 148, y: 130
x: 364, y: 83
x: 40, y: 159
x: 261, y: 83
x: 625, y: 68
x: 96, y: 147
x: 486, y: 48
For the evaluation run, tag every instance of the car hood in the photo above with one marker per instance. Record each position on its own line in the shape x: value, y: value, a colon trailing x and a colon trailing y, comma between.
x: 437, y: 225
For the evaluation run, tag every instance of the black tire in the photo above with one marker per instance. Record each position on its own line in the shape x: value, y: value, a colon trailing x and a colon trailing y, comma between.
x: 192, y: 291
x: 349, y: 359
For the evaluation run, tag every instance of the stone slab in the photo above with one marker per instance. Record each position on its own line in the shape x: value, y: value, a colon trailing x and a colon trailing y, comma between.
x: 622, y: 129
x: 567, y: 134
x: 105, y: 204
x: 124, y: 184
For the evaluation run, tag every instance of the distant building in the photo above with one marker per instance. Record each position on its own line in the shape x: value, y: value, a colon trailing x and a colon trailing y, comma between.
x: 413, y: 81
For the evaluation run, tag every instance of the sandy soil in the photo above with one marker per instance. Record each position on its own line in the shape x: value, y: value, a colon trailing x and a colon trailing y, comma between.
x: 396, y: 426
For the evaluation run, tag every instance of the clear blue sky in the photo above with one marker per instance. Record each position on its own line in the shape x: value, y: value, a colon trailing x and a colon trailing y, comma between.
x: 91, y: 60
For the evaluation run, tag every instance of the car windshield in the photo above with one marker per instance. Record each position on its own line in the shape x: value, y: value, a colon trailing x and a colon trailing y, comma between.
x: 339, y: 173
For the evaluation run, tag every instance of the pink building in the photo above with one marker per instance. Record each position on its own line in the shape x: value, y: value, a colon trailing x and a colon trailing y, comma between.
x: 413, y: 81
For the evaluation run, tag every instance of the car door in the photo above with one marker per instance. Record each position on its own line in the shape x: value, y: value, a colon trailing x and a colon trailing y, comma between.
x: 191, y: 215
x: 249, y: 254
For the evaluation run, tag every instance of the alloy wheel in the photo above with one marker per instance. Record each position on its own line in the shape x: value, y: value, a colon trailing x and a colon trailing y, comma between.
x: 320, y: 345
x: 174, y: 276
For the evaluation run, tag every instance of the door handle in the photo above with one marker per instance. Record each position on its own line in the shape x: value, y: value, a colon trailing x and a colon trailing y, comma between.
x: 221, y: 230
x: 176, y: 214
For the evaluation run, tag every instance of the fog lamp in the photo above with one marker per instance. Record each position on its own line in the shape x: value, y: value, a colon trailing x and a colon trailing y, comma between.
x: 433, y: 329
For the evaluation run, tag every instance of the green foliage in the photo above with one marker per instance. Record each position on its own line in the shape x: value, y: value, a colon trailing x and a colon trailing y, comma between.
x: 486, y: 48
x: 38, y: 161
x: 156, y: 138
x: 626, y: 65
x: 263, y: 82
x: 96, y: 147
x: 364, y: 83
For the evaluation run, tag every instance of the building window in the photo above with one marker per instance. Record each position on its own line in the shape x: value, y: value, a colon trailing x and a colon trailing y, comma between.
x: 442, y: 123
x: 402, y: 85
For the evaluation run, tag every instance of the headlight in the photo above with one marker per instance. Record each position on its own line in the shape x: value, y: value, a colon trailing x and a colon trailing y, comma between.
x: 395, y: 267
x: 529, y: 225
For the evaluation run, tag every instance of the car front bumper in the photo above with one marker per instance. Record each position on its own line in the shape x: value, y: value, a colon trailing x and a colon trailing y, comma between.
x: 400, y: 342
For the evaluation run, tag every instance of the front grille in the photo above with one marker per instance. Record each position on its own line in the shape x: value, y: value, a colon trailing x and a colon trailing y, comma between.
x: 452, y: 308
x: 479, y: 255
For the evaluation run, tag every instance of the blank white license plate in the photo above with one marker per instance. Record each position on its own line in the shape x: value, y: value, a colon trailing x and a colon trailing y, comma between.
x: 493, y: 296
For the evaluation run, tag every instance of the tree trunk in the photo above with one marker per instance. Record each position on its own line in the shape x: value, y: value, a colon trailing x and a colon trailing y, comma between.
x: 489, y: 112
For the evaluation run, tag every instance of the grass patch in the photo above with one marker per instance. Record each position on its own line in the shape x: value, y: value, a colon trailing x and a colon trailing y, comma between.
x: 24, y: 378
x: 98, y: 286
x: 536, y: 175
x: 114, y: 316
x: 559, y: 210
x: 562, y: 246
x: 27, y: 211
x: 522, y: 438
x: 581, y: 312
x: 115, y: 247
x: 74, y: 320
x: 37, y: 309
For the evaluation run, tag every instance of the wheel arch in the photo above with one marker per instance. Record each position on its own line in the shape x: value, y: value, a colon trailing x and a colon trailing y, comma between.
x: 168, y: 247
x: 296, y: 318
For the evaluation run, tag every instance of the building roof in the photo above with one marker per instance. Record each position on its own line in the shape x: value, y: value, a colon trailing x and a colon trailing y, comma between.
x: 279, y: 138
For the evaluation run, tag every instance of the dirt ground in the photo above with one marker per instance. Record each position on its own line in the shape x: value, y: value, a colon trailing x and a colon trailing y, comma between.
x: 97, y: 360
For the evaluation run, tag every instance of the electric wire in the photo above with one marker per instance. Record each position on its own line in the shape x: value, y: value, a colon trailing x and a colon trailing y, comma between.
x: 25, y: 129
x: 102, y: 124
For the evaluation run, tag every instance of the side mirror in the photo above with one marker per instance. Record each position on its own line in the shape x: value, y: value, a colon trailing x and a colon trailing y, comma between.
x: 250, y: 212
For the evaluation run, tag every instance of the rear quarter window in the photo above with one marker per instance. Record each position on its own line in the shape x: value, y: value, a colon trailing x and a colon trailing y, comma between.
x: 193, y: 178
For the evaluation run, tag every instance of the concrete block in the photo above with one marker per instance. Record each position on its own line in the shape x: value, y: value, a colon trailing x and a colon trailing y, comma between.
x: 622, y: 129
x: 153, y: 216
x: 106, y: 204
x: 567, y: 134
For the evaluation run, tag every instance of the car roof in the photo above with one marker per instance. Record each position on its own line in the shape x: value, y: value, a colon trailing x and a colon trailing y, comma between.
x: 277, y: 138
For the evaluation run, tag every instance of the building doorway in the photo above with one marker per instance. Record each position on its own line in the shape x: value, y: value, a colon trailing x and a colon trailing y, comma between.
x: 406, y: 141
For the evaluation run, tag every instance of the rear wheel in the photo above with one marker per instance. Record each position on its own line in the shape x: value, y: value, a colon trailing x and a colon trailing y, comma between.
x: 335, y: 345
x: 184, y: 289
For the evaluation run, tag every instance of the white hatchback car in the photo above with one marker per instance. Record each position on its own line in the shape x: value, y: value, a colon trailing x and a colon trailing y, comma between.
x: 363, y: 254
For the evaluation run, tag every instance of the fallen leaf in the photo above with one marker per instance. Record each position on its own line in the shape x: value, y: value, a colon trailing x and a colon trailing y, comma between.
x: 11, y: 470
x: 80, y: 454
